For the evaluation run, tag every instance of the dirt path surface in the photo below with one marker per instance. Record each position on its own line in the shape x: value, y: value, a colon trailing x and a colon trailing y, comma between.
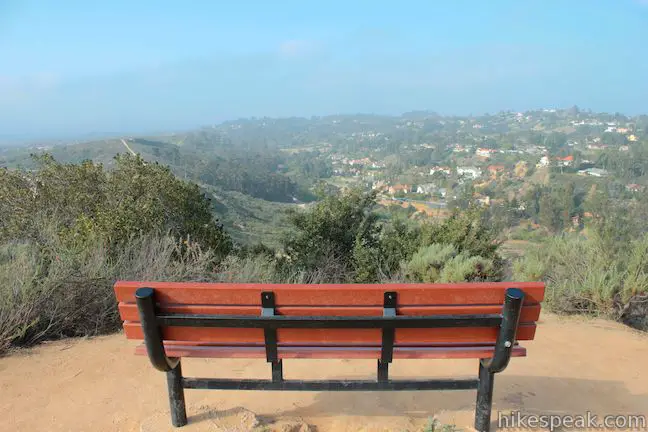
x: 574, y: 366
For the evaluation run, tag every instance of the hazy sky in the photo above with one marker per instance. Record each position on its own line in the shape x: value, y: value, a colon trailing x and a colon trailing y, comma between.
x: 136, y: 65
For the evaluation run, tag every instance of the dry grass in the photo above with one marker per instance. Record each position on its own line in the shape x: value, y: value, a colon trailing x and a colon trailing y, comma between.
x: 55, y: 290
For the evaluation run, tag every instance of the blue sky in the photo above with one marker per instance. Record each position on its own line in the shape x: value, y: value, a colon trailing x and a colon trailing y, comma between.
x: 73, y: 67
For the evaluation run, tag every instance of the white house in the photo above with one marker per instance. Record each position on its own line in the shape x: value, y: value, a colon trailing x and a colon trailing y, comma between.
x: 437, y: 169
x: 485, y: 152
x: 427, y: 188
x: 472, y: 172
x: 544, y: 161
x: 595, y: 172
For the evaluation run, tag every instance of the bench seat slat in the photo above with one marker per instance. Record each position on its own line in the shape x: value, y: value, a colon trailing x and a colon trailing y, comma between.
x: 466, y: 335
x: 128, y: 311
x: 486, y: 293
x: 302, y: 352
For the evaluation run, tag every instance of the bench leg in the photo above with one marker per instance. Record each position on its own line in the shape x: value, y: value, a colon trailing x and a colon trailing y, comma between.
x: 176, y: 396
x: 484, y: 399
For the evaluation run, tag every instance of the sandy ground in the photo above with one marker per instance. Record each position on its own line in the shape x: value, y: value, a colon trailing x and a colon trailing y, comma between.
x: 573, y: 366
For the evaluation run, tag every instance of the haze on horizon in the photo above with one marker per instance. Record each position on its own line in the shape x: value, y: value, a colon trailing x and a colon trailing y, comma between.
x: 74, y: 67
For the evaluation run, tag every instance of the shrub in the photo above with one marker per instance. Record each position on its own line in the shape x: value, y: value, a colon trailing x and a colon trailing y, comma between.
x: 466, y: 231
x: 426, y: 264
x: 55, y: 289
x: 464, y: 268
x: 584, y: 276
x: 84, y: 201
x: 399, y: 240
x: 442, y: 263
x: 327, y: 235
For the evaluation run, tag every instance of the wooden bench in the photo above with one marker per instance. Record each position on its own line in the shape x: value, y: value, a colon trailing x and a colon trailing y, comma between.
x: 383, y: 322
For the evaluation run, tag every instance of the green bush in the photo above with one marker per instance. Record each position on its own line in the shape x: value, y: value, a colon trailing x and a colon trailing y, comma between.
x: 585, y: 276
x: 466, y: 231
x: 84, y: 201
x: 399, y: 240
x: 330, y: 236
x: 426, y: 264
x: 443, y: 263
x: 464, y: 268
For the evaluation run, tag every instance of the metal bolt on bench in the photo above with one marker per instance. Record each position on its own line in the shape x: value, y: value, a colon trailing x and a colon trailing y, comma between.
x: 152, y: 321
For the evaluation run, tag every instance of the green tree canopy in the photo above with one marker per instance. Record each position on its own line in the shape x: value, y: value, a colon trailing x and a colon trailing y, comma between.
x: 84, y: 199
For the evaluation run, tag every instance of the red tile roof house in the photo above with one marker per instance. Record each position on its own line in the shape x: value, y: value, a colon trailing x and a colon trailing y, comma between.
x: 399, y: 188
x: 496, y: 169
x: 633, y: 187
x: 566, y: 161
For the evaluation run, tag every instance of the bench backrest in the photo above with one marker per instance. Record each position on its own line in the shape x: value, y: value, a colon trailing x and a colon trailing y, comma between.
x: 331, y: 300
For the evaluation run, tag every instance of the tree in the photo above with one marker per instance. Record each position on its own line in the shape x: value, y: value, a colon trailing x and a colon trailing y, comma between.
x: 465, y: 230
x: 549, y: 214
x: 398, y: 242
x: 332, y: 230
x: 555, y: 141
x: 567, y: 203
x: 613, y: 139
x: 83, y: 201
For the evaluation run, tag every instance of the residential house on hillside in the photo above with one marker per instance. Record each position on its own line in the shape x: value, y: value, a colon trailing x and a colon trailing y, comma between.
x: 633, y: 187
x: 632, y: 138
x: 594, y: 172
x: 597, y: 146
x: 363, y: 162
x: 379, y: 185
x: 427, y: 188
x: 444, y: 169
x: 495, y: 170
x: 393, y: 190
x: 469, y: 171
x: 565, y: 161
x: 544, y: 161
x: 485, y: 152
x: 536, y: 149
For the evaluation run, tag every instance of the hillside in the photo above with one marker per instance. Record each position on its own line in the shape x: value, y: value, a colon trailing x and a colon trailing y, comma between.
x: 249, y: 219
x: 417, y: 197
x: 98, y: 384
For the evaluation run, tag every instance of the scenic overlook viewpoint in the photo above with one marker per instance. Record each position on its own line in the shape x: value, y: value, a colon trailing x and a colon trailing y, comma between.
x: 328, y: 216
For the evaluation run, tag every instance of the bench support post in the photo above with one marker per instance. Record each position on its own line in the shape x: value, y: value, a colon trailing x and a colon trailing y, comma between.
x: 277, y: 371
x: 270, y: 335
x: 484, y: 399
x: 388, y: 334
x: 513, y: 300
x: 145, y: 298
x: 383, y: 371
x: 176, y: 396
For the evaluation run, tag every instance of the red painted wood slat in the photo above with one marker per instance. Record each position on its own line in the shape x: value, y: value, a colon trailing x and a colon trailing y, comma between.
x: 213, y: 335
x: 128, y: 311
x: 330, y: 294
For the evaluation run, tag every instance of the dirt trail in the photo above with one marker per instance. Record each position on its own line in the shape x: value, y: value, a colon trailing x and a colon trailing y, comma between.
x: 128, y: 147
x: 574, y: 366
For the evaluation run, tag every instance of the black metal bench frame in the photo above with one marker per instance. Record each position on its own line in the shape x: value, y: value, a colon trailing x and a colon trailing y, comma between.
x: 507, y: 321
